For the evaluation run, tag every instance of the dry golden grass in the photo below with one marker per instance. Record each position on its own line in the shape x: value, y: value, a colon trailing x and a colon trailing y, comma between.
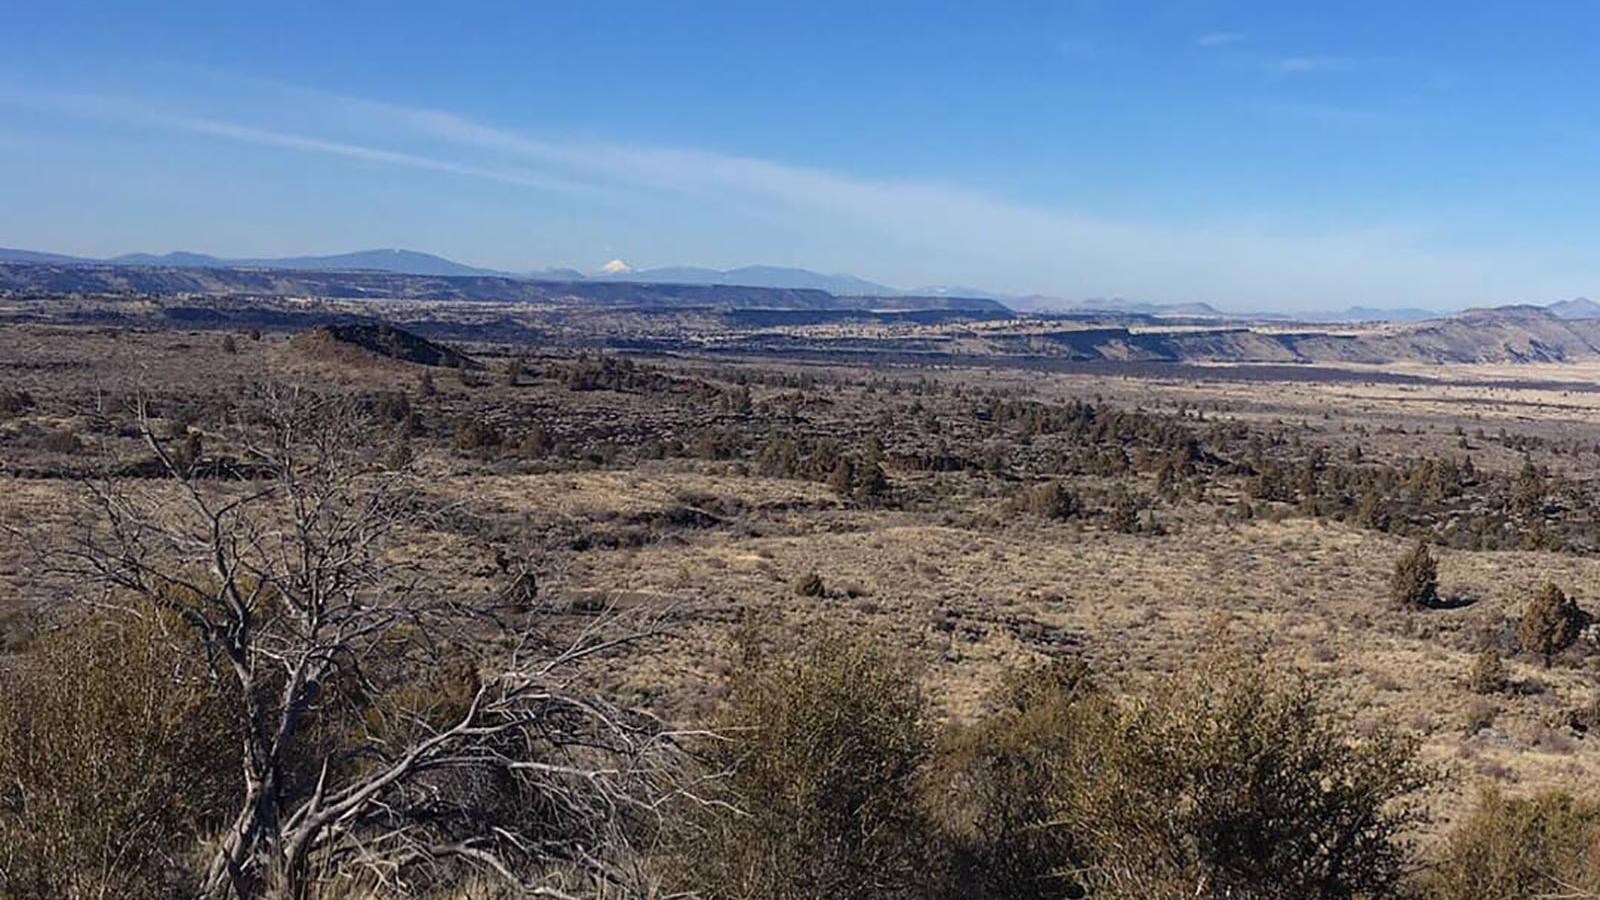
x: 971, y: 590
x: 649, y: 488
x: 968, y: 604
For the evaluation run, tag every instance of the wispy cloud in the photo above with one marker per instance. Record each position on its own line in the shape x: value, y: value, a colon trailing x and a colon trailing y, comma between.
x: 1042, y: 248
x: 1219, y: 38
x: 942, y: 232
x: 126, y: 110
x: 270, y: 138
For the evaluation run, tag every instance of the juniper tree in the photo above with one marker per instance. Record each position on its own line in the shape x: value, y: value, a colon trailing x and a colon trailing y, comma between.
x: 1550, y: 623
x: 1415, y: 581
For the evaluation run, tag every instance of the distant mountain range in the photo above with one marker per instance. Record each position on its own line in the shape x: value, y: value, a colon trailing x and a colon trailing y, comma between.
x: 33, y: 278
x: 1116, y: 305
x: 1576, y: 308
x: 1121, y: 306
x: 412, y: 262
x: 33, y: 256
x: 1373, y: 314
x: 405, y: 262
x: 754, y: 276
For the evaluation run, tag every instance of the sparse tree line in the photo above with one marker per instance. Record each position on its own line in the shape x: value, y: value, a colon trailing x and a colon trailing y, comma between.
x: 1444, y: 499
x: 805, y: 425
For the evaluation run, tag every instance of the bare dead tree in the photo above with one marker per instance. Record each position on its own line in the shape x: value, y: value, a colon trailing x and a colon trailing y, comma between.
x: 390, y: 724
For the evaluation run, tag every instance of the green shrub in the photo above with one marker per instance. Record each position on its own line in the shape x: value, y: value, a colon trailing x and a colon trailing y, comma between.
x: 516, y: 367
x: 117, y: 754
x: 1550, y: 623
x: 1415, y: 581
x: 477, y: 436
x: 14, y: 402
x: 60, y: 440
x: 843, y: 478
x: 1488, y: 674
x: 1051, y: 500
x: 988, y: 789
x: 824, y: 754
x: 870, y: 483
x: 1125, y: 509
x: 1584, y: 717
x: 1481, y: 715
x: 1230, y: 780
x: 1520, y: 849
x: 1233, y: 780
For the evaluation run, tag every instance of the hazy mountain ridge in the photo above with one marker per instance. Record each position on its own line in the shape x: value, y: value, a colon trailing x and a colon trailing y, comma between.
x: 772, y: 317
x: 1040, y: 303
x: 755, y: 276
x: 39, y: 279
x: 412, y: 262
x: 1576, y: 308
x: 416, y: 263
x: 407, y: 262
x: 10, y: 254
x: 1046, y: 305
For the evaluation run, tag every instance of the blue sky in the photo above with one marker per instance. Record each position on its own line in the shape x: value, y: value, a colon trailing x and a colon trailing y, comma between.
x: 1254, y: 155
